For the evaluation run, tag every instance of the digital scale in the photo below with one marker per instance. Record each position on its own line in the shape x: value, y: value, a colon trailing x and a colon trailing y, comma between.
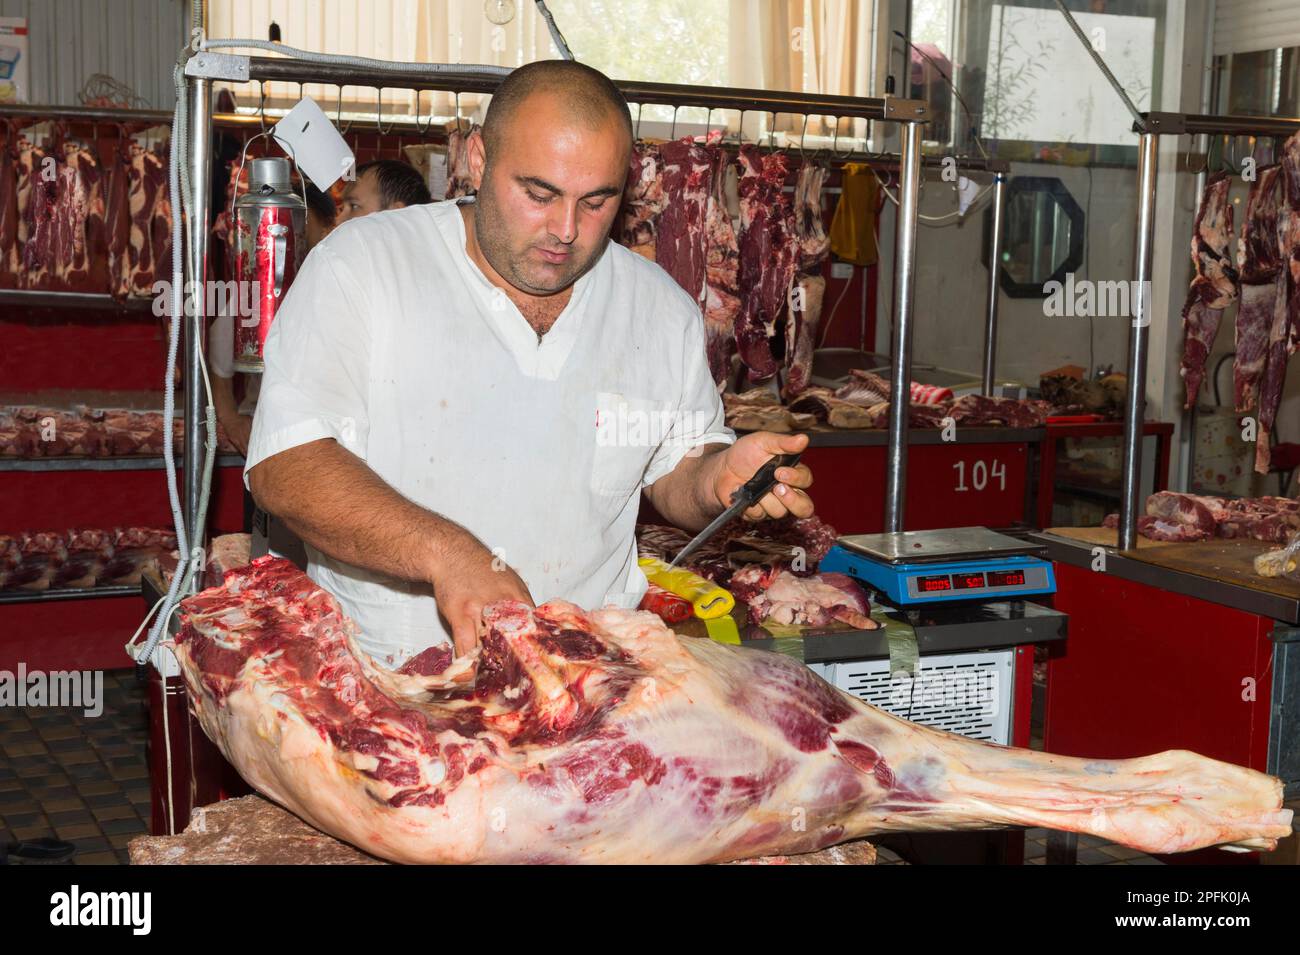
x: 914, y: 568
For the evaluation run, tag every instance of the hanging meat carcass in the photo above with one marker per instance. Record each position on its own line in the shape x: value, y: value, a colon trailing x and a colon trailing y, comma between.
x: 458, y: 175
x: 1284, y: 327
x: 810, y: 286
x: 722, y: 302
x: 1214, y: 286
x: 1258, y: 262
x: 643, y: 200
x: 768, y: 253
x: 604, y: 737
x: 10, y: 251
x: 37, y: 194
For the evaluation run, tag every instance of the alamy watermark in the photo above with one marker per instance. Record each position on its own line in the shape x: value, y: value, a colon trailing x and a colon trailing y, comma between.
x: 83, y: 688
x: 240, y: 299
x: 1084, y: 298
x: 624, y: 426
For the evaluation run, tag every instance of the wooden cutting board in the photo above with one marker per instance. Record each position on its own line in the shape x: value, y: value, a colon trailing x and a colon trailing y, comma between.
x: 1229, y: 561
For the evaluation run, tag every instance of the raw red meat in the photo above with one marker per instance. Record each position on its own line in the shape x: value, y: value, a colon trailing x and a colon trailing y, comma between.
x: 78, y: 243
x: 10, y: 250
x: 37, y: 194
x: 1160, y: 529
x: 813, y: 601
x: 973, y: 410
x: 117, y: 224
x: 814, y: 245
x: 88, y: 552
x: 1214, y: 287
x: 864, y: 388
x: 1259, y: 262
x: 148, y: 254
x: 604, y: 737
x: 1284, y: 327
x: 768, y: 252
x: 681, y: 239
x: 643, y: 200
x: 722, y: 272
x: 458, y: 176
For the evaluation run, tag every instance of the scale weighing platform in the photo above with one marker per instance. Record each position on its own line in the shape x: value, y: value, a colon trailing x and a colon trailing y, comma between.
x: 912, y: 568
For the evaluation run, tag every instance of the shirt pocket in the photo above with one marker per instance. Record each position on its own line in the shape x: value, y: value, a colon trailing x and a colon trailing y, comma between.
x: 628, y: 430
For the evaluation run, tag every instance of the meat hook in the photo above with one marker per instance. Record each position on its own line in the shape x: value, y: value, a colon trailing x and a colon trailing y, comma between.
x: 261, y: 106
x: 672, y: 134
x: 338, y: 122
x: 803, y: 136
x: 636, y: 131
x: 1205, y: 162
x: 379, y: 115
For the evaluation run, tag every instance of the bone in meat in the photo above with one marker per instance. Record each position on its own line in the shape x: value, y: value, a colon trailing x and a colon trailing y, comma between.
x: 604, y: 737
x: 1214, y: 286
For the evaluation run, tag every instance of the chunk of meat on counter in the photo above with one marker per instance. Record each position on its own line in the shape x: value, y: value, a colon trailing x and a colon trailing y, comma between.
x: 604, y: 737
x: 815, y: 601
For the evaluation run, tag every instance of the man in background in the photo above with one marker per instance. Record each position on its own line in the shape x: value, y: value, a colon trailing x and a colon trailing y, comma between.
x: 381, y: 185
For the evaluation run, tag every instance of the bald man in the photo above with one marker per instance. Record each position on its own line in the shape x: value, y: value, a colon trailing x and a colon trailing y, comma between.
x: 463, y: 402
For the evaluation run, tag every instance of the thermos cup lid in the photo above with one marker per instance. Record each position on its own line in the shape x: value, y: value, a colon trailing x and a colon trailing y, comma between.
x: 272, y: 171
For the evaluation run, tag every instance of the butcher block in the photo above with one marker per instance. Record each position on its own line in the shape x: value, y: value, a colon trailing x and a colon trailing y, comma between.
x: 251, y: 830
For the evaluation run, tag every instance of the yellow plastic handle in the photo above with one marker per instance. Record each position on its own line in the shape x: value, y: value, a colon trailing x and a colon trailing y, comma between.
x: 709, y: 600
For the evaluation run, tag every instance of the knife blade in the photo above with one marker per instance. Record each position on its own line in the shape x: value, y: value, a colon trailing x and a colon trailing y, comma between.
x: 746, y: 496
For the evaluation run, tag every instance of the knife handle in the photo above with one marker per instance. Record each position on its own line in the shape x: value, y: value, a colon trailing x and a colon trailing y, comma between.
x: 764, y: 479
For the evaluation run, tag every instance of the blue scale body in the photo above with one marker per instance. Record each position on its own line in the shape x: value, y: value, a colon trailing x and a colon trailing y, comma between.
x: 901, y: 584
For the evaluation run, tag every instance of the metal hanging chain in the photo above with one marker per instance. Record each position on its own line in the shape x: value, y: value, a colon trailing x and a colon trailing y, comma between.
x: 1101, y: 65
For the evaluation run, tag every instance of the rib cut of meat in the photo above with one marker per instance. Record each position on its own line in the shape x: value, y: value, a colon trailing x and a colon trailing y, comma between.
x: 604, y: 737
x: 1214, y: 286
x: 1259, y: 262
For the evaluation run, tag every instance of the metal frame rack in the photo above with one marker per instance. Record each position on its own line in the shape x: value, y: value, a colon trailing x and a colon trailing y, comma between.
x: 1153, y: 126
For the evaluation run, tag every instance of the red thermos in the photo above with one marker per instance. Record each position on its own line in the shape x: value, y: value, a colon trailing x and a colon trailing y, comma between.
x: 270, y: 241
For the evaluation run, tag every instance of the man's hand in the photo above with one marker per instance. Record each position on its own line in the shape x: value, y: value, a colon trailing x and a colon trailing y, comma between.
x: 742, y: 460
x: 467, y: 579
x: 238, y: 428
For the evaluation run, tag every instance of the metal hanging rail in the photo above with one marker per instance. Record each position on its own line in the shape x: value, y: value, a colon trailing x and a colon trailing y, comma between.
x: 205, y: 67
x: 1155, y: 125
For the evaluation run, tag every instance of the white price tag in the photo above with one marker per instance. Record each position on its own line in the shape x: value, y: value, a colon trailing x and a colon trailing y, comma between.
x: 312, y: 141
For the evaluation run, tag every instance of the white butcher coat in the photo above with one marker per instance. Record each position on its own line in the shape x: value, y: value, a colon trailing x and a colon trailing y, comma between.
x: 392, y: 342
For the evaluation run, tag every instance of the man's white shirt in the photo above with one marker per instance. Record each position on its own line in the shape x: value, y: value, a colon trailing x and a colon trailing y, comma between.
x: 392, y: 342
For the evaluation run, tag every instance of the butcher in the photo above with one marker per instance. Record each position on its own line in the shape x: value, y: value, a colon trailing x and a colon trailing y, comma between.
x: 463, y: 402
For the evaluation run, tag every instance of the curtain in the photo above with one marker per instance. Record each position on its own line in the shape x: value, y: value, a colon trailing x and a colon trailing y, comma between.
x: 808, y: 46
x: 424, y: 31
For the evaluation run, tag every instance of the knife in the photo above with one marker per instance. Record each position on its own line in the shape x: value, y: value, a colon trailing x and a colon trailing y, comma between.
x: 749, y: 494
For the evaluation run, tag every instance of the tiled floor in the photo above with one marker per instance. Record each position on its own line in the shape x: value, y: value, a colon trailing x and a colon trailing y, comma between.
x: 86, y: 781
x: 82, y: 780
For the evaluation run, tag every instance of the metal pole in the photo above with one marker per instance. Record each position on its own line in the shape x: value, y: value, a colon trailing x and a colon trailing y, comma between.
x: 995, y: 265
x: 1135, y: 399
x: 900, y: 396
x: 200, y: 110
